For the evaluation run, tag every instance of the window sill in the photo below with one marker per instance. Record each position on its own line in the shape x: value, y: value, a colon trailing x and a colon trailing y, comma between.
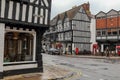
x: 19, y: 63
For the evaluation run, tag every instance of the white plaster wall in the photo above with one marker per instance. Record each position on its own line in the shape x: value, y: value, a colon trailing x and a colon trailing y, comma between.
x: 93, y: 32
x: 2, y: 30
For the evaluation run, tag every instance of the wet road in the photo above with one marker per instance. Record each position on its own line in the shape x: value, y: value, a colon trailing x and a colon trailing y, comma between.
x: 86, y: 69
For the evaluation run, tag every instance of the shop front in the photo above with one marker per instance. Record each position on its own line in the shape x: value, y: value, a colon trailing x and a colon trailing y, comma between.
x: 20, y: 54
x: 22, y: 25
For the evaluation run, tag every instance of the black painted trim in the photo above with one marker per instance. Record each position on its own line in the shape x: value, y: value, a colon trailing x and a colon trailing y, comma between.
x: 13, y: 22
x: 49, y: 11
x: 14, y: 10
x: 1, y: 75
x: 44, y: 16
x: 23, y: 71
x: 82, y: 36
x: 33, y: 13
x: 19, y: 63
x: 6, y: 8
x: 20, y: 13
x: 39, y: 36
x: 71, y: 30
x: 27, y: 13
x: 64, y: 31
x: 81, y: 30
x: 39, y: 10
x: 39, y: 6
x: 44, y: 3
x: 22, y: 1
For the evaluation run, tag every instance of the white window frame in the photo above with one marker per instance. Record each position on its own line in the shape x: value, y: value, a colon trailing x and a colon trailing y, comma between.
x: 34, y: 43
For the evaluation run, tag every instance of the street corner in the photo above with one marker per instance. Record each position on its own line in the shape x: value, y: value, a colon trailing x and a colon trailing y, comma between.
x: 52, y: 72
x: 30, y: 76
x: 61, y: 73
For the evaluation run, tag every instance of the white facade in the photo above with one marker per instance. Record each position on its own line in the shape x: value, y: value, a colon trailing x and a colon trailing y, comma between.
x: 2, y: 31
x: 93, y: 32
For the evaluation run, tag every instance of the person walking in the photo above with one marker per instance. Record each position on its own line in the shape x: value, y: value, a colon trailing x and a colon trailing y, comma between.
x: 107, y: 52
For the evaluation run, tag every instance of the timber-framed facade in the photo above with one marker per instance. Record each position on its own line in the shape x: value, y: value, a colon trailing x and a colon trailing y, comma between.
x: 22, y: 24
x: 71, y: 29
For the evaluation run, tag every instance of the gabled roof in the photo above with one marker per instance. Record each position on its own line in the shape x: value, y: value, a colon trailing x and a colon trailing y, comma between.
x: 61, y: 16
x: 101, y: 12
x: 72, y: 12
x: 112, y: 11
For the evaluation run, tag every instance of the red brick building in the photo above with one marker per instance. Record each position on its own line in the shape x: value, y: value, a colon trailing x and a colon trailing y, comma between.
x: 108, y: 30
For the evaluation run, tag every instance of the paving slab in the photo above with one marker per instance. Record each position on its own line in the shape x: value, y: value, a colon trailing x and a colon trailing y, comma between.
x: 51, y: 72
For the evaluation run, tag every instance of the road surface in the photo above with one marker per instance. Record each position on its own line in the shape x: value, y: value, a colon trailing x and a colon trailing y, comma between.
x: 85, y: 68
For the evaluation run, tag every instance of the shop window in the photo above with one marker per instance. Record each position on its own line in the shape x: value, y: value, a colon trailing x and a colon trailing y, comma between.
x: 98, y: 33
x: 18, y: 47
x: 114, y: 32
x: 119, y: 31
x: 103, y: 33
x: 109, y: 33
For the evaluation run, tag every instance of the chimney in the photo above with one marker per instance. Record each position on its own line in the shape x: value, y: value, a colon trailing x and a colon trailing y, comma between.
x: 86, y: 6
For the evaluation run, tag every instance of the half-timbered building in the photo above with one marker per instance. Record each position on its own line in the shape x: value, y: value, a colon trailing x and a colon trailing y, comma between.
x: 71, y: 29
x: 22, y: 24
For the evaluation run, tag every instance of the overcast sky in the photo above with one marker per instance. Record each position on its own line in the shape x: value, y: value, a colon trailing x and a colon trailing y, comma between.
x: 96, y: 6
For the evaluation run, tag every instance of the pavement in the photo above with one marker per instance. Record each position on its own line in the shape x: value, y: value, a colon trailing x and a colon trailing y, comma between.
x: 93, y: 57
x: 52, y: 72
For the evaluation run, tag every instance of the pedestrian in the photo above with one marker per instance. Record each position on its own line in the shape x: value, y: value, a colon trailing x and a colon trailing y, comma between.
x: 107, y: 52
x: 76, y: 51
x: 66, y: 51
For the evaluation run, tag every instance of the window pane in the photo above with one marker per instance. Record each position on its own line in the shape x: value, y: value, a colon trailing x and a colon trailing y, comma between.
x: 18, y: 47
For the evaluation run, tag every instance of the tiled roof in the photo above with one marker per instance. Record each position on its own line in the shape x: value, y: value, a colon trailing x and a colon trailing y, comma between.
x: 72, y: 12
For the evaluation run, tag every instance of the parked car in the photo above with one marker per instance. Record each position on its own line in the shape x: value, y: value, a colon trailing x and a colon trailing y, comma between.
x: 53, y: 51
